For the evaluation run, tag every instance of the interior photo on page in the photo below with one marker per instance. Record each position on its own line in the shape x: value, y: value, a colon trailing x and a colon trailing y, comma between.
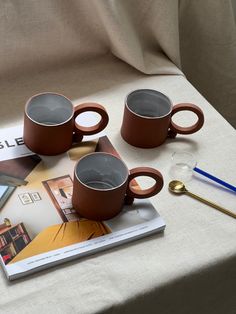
x: 43, y: 229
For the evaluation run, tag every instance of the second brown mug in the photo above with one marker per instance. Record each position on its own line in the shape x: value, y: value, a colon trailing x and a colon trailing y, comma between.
x: 102, y: 183
x: 50, y: 123
x: 147, y: 119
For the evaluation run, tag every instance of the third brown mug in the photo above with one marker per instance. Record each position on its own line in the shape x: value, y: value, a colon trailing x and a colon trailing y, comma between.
x: 147, y: 119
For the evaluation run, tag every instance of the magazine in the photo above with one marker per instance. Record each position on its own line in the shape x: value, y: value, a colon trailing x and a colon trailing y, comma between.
x: 38, y: 226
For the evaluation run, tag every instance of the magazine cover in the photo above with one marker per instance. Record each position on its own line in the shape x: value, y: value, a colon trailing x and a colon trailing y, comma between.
x: 38, y: 226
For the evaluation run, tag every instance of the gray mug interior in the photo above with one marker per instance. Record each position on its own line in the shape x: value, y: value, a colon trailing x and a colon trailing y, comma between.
x: 149, y: 103
x: 49, y: 109
x: 101, y: 171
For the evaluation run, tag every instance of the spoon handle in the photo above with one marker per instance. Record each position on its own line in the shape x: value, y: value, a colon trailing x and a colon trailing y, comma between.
x: 201, y: 199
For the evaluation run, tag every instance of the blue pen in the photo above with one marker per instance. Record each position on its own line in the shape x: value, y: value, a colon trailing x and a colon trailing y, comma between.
x: 210, y: 176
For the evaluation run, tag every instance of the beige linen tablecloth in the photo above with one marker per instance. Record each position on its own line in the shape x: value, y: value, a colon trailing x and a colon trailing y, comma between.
x: 191, y: 268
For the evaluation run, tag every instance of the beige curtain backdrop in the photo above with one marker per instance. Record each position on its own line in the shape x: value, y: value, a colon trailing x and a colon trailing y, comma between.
x: 155, y: 37
x: 208, y: 51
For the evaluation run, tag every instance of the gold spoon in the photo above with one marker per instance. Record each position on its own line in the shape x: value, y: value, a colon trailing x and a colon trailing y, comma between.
x: 179, y: 188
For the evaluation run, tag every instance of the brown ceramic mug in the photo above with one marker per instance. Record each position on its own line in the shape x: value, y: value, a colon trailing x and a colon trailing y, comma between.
x: 49, y: 123
x: 102, y: 183
x: 147, y: 118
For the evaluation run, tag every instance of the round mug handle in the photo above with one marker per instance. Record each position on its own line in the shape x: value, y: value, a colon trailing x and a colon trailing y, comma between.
x: 174, y: 128
x: 80, y: 130
x: 151, y: 191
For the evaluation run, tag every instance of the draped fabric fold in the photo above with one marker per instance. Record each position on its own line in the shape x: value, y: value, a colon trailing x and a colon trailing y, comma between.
x: 208, y: 51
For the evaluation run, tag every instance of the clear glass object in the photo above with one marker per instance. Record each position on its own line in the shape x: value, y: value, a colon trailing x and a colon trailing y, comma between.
x: 182, y: 165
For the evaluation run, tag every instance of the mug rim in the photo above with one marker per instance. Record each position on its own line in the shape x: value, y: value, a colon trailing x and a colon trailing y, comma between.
x: 145, y: 117
x: 107, y: 189
x: 46, y: 93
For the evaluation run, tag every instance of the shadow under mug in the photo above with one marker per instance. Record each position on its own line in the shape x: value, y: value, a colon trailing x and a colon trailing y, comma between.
x: 147, y: 118
x: 102, y: 183
x: 49, y: 123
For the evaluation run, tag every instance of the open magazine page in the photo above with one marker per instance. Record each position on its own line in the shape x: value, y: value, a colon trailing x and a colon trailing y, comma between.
x: 38, y: 226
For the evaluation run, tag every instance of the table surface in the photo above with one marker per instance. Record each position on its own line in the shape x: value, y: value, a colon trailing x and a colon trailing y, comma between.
x: 191, y: 267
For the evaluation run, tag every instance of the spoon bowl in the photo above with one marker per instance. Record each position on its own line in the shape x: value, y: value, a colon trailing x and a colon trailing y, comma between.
x: 177, y: 187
